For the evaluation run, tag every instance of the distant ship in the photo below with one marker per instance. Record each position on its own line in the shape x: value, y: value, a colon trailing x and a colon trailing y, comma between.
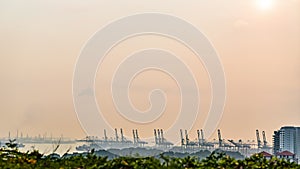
x: 45, y: 140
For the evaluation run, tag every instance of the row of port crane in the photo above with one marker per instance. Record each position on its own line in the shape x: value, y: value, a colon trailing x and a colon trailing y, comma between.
x: 200, y: 141
x: 221, y: 143
x: 186, y: 142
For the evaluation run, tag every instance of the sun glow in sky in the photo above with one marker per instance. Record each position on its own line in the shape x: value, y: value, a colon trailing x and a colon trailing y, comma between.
x: 265, y: 4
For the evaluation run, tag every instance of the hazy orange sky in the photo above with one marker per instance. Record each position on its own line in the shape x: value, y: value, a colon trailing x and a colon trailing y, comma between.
x: 258, y: 42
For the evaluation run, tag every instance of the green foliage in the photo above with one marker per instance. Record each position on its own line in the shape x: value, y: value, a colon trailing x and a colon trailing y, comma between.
x: 11, y: 158
x: 12, y: 144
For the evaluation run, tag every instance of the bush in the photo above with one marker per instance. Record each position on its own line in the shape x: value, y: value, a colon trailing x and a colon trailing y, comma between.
x: 11, y: 158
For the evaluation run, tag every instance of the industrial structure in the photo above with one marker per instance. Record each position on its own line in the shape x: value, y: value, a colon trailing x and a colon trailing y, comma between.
x: 160, y: 140
x: 262, y: 145
x: 222, y: 143
x: 202, y: 142
x: 105, y: 143
x: 136, y: 139
x: 281, y: 141
x: 186, y: 143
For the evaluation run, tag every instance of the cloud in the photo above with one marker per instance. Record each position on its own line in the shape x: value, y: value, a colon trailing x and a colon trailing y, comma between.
x: 240, y: 24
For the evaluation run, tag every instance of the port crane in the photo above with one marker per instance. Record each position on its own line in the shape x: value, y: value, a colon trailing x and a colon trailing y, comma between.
x: 123, y: 138
x: 136, y: 139
x: 221, y: 141
x: 262, y: 144
x: 160, y: 139
x: 239, y: 144
x: 258, y: 139
x: 116, y: 133
x: 265, y: 143
x: 181, y: 138
x: 105, y: 136
x: 201, y: 141
x: 185, y: 141
x: 188, y: 142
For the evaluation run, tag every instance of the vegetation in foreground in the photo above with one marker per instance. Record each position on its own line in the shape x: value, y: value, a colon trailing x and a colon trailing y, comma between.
x: 12, y: 158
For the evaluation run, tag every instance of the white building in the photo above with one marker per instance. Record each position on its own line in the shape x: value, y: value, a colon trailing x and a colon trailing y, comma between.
x: 287, y: 139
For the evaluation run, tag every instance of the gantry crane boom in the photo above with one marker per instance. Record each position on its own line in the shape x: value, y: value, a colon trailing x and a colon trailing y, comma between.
x: 182, y: 139
x: 220, y: 138
x: 258, y: 139
x: 264, y: 139
x: 186, y: 138
x: 116, y: 133
x: 105, y: 136
x: 199, y: 140
x: 122, y: 135
x: 155, y: 137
